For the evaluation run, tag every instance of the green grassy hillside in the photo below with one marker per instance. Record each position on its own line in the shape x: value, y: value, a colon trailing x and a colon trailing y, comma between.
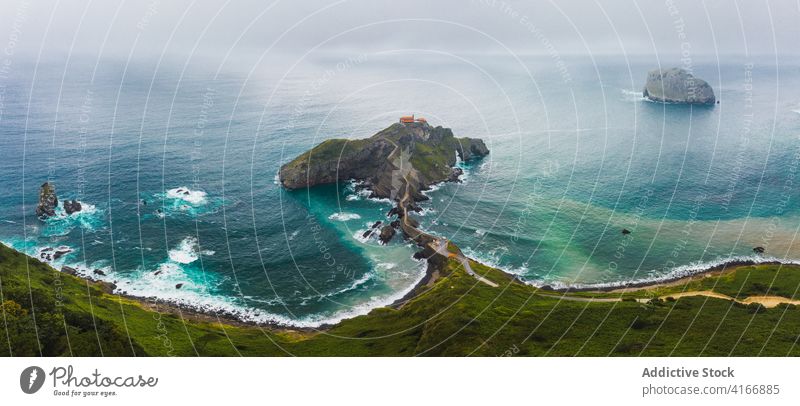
x: 457, y: 316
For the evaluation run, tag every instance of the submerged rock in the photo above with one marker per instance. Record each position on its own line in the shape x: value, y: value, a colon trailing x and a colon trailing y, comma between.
x: 72, y: 206
x: 48, y: 201
x: 387, y: 232
x: 625, y: 231
x: 455, y: 175
x: 758, y: 250
x: 58, y: 254
x: 677, y: 85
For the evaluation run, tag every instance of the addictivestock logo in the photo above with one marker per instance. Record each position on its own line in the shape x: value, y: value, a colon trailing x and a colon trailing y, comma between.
x: 67, y: 382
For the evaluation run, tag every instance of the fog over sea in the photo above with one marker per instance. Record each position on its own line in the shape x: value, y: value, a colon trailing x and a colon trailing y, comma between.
x: 175, y: 165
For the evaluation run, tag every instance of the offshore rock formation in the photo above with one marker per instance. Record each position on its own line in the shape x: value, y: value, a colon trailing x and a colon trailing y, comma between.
x: 677, y: 85
x: 403, y: 158
x: 72, y: 206
x: 48, y: 201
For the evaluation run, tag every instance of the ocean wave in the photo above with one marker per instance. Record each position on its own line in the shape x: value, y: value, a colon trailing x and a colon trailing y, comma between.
x: 186, y: 252
x: 342, y: 216
x: 89, y: 218
x: 55, y: 255
x: 633, y: 95
x: 183, y: 200
x: 196, y: 296
x: 198, y: 288
x: 493, y: 258
x: 359, y: 235
x: 353, y: 286
x: 355, y: 190
x: 195, y: 197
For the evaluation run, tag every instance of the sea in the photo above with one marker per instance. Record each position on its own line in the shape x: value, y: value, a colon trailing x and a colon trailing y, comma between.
x: 175, y: 163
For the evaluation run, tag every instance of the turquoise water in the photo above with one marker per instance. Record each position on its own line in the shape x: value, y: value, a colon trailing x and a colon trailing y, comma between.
x: 576, y: 156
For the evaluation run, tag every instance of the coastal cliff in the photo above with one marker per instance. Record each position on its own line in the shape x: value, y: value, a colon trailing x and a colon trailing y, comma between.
x: 404, y: 155
x: 677, y: 85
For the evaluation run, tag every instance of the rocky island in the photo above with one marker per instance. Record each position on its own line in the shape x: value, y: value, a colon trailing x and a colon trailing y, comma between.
x: 677, y: 85
x: 48, y: 202
x: 415, y: 155
x: 397, y: 163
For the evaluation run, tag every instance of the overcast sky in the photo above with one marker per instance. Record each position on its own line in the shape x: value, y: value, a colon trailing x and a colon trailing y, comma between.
x: 115, y: 27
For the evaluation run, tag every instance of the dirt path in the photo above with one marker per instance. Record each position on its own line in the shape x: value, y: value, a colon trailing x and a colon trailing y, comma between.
x: 441, y: 249
x: 439, y: 245
x: 766, y: 301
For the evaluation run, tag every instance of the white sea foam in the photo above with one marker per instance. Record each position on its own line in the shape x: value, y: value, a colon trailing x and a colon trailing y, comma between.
x: 492, y: 259
x: 633, y: 95
x: 186, y: 252
x: 195, y: 197
x: 355, y: 284
x: 342, y: 216
x: 359, y: 235
x: 89, y: 218
x: 196, y: 296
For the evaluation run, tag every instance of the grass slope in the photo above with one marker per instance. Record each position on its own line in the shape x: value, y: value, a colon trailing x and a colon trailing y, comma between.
x: 457, y: 316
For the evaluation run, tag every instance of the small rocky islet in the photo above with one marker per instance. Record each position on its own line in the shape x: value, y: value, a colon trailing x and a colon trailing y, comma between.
x: 48, y: 202
x: 678, y: 86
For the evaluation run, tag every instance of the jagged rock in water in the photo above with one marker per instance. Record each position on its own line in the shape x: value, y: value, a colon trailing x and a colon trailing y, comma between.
x: 677, y: 85
x: 454, y: 176
x: 395, y: 211
x: 626, y: 231
x: 758, y: 250
x: 59, y: 253
x: 387, y: 232
x: 72, y: 206
x: 415, y: 155
x: 178, y: 286
x: 99, y: 272
x: 48, y: 201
